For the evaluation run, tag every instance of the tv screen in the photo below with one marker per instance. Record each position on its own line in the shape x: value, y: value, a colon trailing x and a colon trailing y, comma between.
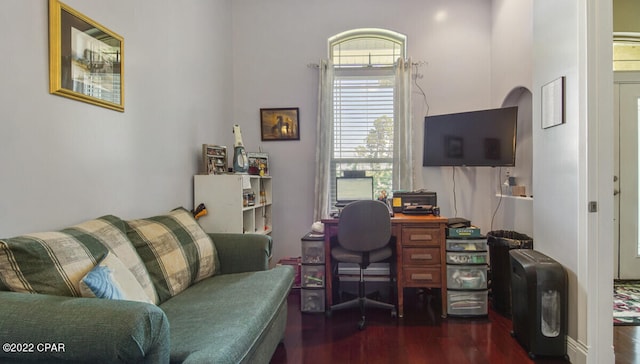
x: 475, y: 138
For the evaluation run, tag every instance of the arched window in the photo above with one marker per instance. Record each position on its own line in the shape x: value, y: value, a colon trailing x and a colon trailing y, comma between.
x: 367, y: 48
x: 626, y: 51
x: 363, y: 105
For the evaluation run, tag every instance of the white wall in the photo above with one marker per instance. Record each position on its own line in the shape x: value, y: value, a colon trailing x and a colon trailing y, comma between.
x: 572, y: 165
x: 274, y: 41
x: 557, y: 150
x: 511, y: 85
x: 64, y: 161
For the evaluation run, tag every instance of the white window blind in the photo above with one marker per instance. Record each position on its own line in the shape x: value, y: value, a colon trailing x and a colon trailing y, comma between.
x: 363, y: 125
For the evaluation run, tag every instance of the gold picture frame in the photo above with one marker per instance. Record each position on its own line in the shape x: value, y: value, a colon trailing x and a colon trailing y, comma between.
x: 86, y: 59
x: 280, y: 124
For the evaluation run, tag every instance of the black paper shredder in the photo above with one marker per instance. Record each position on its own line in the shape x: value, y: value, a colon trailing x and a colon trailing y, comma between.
x: 539, y: 298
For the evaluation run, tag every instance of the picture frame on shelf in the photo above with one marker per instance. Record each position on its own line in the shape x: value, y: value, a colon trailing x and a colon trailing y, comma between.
x: 280, y: 124
x: 214, y: 159
x: 86, y: 59
x: 258, y: 163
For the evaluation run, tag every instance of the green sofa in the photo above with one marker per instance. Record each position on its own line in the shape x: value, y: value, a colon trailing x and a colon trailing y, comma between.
x: 236, y: 315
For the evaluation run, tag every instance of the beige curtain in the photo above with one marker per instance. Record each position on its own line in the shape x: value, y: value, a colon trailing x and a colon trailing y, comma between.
x: 324, y: 129
x: 402, y: 175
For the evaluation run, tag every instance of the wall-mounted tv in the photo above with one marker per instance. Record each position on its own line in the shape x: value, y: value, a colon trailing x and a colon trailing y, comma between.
x: 474, y: 139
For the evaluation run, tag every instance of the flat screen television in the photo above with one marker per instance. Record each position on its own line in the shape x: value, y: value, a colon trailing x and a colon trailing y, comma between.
x: 473, y: 139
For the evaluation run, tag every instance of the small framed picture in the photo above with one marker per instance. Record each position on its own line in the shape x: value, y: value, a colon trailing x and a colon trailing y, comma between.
x: 258, y: 163
x: 214, y: 159
x: 553, y: 108
x: 280, y: 124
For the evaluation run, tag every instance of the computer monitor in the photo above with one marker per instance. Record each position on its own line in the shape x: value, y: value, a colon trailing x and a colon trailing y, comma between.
x: 353, y: 189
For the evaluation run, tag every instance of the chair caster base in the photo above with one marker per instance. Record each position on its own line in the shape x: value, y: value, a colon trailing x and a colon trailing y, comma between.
x: 361, y: 324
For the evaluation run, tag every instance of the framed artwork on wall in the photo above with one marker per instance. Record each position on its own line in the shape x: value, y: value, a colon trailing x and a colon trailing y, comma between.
x: 280, y: 124
x: 86, y: 60
x: 553, y: 112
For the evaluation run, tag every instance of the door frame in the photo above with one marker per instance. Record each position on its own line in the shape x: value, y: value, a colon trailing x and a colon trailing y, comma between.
x: 619, y: 78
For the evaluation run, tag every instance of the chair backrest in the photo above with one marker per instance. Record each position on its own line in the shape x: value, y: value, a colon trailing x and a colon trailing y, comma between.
x: 364, y: 226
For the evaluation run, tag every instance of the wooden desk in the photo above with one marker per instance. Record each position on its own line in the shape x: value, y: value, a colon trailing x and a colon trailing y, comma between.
x: 420, y: 253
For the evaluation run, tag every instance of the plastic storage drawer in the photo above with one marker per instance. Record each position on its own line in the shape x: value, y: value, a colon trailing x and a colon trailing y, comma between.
x: 467, y: 303
x: 312, y: 300
x: 467, y: 258
x: 312, y: 276
x: 466, y: 277
x: 313, y: 251
x: 459, y: 245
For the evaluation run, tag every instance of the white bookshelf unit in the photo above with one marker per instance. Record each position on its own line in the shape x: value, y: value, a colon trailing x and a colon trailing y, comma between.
x: 228, y: 209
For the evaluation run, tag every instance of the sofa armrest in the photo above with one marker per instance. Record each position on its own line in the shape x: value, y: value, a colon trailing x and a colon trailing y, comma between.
x: 52, y: 329
x: 242, y: 252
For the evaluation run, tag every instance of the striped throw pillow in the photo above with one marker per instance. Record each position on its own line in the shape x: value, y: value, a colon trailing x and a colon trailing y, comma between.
x: 175, y: 250
x: 54, y: 262
x: 120, y: 245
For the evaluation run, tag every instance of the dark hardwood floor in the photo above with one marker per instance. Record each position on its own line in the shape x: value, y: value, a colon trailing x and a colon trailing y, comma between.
x: 422, y: 336
x: 626, y: 343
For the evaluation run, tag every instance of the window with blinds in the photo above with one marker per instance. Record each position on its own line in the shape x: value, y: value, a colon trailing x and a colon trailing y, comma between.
x: 363, y: 131
x: 363, y: 126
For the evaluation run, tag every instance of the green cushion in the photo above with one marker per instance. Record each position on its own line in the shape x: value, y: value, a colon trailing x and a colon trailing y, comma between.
x: 223, y: 318
x: 175, y: 250
x: 91, y: 330
x: 55, y: 262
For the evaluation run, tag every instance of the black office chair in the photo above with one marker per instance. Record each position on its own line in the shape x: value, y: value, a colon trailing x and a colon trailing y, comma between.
x: 364, y: 237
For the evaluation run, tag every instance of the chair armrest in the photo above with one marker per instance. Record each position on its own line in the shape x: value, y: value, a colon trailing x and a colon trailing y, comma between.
x: 52, y: 329
x: 242, y: 252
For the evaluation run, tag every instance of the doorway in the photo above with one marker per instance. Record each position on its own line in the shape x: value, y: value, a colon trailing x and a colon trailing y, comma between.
x: 626, y: 154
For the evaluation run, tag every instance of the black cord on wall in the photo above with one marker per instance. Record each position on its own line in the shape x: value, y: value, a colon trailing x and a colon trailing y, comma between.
x: 499, y: 200
x: 417, y: 75
x: 455, y: 201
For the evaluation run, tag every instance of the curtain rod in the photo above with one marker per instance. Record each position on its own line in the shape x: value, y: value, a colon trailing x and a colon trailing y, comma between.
x: 417, y: 64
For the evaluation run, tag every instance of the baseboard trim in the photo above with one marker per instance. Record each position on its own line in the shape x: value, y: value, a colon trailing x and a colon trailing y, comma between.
x: 577, y: 351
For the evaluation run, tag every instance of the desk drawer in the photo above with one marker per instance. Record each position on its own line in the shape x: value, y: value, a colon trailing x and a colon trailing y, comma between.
x: 421, y: 236
x: 467, y: 276
x: 467, y: 245
x: 426, y: 276
x: 421, y: 256
x: 467, y: 258
x: 312, y: 276
x: 460, y: 303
